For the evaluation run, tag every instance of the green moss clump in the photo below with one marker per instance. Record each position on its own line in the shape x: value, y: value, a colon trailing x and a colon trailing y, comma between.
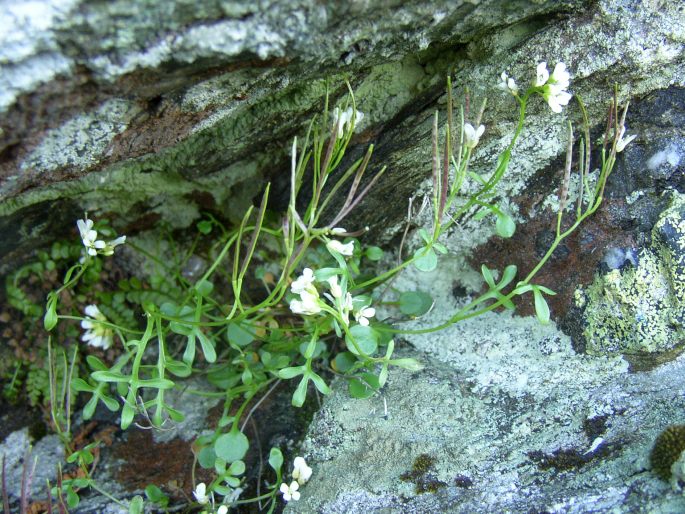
x: 668, y: 447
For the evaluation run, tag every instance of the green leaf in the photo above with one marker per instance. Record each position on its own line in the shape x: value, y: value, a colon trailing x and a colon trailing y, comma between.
x: 300, y: 393
x: 505, y: 226
x: 80, y: 385
x: 207, y: 346
x: 541, y: 307
x: 204, y: 226
x: 440, y: 248
x: 50, y: 319
x: 109, y: 376
x: 95, y: 363
x: 366, y: 339
x: 239, y: 335
x: 319, y: 383
x: 343, y: 362
x: 487, y: 275
x: 323, y: 274
x: 374, y: 253
x: 424, y: 235
x: 288, y: 373
x: 237, y: 468
x: 232, y: 446
x: 178, y: 368
x: 156, y: 383
x: 136, y: 505
x: 155, y: 495
x: 276, y: 459
x: 364, y: 386
x: 415, y: 303
x: 507, y: 276
x: 410, y: 364
x: 426, y: 259
x: 204, y: 288
x: 207, y: 457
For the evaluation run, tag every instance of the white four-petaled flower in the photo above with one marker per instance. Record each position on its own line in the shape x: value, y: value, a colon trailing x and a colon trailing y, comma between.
x: 344, y: 118
x: 507, y: 83
x: 93, y: 245
x: 336, y: 290
x: 472, y: 135
x: 336, y: 246
x: 96, y: 334
x: 200, y: 494
x: 301, y: 472
x: 307, y: 304
x: 554, y: 86
x: 304, y: 282
x: 363, y: 314
x: 290, y: 492
x: 621, y: 143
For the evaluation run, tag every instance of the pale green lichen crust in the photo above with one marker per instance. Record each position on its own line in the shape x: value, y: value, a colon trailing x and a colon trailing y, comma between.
x: 638, y: 310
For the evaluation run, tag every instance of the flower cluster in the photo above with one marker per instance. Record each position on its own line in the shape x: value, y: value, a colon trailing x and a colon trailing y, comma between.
x: 553, y: 88
x: 301, y: 474
x: 310, y: 303
x: 97, y: 334
x: 93, y: 245
x: 346, y: 118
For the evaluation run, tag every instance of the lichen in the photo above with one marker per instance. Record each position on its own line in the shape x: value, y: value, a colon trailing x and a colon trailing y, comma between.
x: 641, y: 309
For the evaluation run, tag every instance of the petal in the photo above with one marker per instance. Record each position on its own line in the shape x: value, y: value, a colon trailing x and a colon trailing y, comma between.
x: 284, y: 488
x: 296, y: 495
x: 92, y: 310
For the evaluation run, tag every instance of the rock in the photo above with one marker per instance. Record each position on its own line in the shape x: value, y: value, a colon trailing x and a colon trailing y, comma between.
x: 641, y: 308
x: 46, y: 454
x: 505, y: 417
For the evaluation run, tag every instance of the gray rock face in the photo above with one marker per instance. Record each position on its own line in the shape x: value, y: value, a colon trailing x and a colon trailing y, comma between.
x: 504, y: 418
x: 149, y: 110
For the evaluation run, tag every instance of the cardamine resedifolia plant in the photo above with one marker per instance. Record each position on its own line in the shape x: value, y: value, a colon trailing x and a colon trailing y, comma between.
x: 316, y: 314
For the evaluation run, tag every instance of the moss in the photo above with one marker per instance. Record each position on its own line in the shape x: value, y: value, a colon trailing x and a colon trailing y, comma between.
x: 423, y: 476
x: 668, y: 447
x: 642, y: 310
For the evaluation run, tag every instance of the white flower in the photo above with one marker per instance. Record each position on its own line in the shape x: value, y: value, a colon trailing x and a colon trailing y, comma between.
x: 344, y: 118
x: 290, y: 492
x: 472, y: 135
x: 89, y: 236
x: 109, y: 247
x: 304, y: 282
x: 92, y: 243
x: 308, y: 304
x: 343, y: 249
x: 560, y: 77
x: 336, y: 290
x: 507, y: 83
x: 542, y: 75
x: 200, y: 494
x: 222, y: 510
x: 97, y: 334
x: 362, y: 314
x: 554, y: 87
x: 622, y: 143
x: 301, y: 471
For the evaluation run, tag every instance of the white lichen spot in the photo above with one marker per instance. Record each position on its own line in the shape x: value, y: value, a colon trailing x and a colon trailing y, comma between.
x: 669, y: 156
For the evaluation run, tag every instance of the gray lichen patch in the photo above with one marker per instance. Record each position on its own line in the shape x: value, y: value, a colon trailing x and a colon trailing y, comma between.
x: 80, y: 142
x: 642, y: 309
